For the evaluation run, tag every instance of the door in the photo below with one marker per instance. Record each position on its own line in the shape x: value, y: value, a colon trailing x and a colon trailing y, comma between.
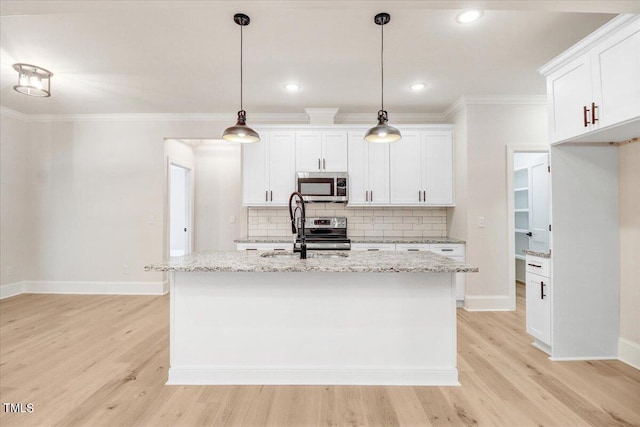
x: 406, y: 170
x: 282, y: 172
x: 334, y: 151
x: 179, y: 210
x: 539, y: 210
x: 538, y: 307
x: 437, y: 149
x: 308, y: 151
x: 378, y: 172
x: 255, y: 172
x: 357, y: 169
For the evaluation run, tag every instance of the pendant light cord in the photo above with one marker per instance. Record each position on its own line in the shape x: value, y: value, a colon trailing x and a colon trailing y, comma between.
x: 241, y: 68
x: 382, y: 66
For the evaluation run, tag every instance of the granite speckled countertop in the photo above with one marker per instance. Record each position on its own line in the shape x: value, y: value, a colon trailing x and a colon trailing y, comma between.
x: 427, y: 240
x: 354, y: 262
x: 538, y: 254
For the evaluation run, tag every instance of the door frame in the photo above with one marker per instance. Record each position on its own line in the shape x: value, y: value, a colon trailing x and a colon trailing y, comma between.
x: 188, y: 205
x: 511, y: 229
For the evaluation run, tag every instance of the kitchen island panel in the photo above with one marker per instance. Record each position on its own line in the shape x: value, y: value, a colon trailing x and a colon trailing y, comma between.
x: 313, y: 328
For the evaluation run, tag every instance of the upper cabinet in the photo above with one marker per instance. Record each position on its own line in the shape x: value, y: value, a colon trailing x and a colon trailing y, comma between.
x: 268, y: 169
x: 593, y: 89
x: 368, y: 171
x: 321, y: 151
x: 421, y: 169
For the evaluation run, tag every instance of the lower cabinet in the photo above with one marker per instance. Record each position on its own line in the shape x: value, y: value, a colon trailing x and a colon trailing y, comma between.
x: 538, y: 301
x: 373, y: 246
x: 264, y: 246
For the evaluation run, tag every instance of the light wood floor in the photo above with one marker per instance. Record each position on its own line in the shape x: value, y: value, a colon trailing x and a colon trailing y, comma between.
x: 102, y: 361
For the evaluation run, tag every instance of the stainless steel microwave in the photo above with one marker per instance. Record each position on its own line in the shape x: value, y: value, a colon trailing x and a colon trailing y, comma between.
x: 323, y: 186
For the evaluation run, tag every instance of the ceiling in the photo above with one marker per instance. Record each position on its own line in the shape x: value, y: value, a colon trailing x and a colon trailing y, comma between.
x: 183, y: 56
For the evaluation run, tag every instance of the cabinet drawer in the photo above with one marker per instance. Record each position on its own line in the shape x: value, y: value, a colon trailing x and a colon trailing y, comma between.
x: 373, y: 247
x: 264, y: 246
x: 410, y: 247
x: 537, y: 265
x: 448, y: 250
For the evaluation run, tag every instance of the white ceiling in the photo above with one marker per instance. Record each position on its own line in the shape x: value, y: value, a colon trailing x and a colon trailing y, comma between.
x: 183, y: 56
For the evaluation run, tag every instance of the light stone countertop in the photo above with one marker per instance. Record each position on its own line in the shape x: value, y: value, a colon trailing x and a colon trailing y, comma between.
x: 355, y: 262
x: 426, y: 240
x: 538, y: 254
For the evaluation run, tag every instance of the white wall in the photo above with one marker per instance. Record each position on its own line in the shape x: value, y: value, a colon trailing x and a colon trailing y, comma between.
x: 629, y: 176
x: 16, y: 244
x: 101, y: 187
x: 489, y: 130
x: 218, y: 186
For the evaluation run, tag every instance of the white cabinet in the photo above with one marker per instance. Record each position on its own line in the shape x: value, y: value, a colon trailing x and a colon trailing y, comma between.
x: 421, y: 169
x: 373, y: 247
x: 413, y: 247
x: 368, y: 171
x: 264, y: 246
x: 457, y: 252
x: 595, y: 96
x: 268, y: 169
x: 538, y: 300
x: 321, y: 151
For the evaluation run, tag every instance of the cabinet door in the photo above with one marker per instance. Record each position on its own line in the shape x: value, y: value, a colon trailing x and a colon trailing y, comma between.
x: 357, y: 169
x: 437, y: 161
x: 334, y: 151
x: 539, y: 307
x: 413, y: 247
x: 255, y: 172
x: 281, y: 167
x: 308, y: 151
x: 406, y: 170
x: 616, y: 75
x: 569, y: 91
x: 377, y: 166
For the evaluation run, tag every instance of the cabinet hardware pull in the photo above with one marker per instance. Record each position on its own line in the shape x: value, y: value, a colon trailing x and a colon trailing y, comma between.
x: 585, y: 110
x: 278, y: 249
x: 324, y: 164
x: 366, y: 196
x: 542, y: 285
x: 266, y: 195
x: 251, y: 249
x: 419, y: 196
x: 593, y: 113
x: 446, y: 250
x: 535, y: 265
x: 371, y: 195
x: 413, y: 250
x: 271, y: 193
x: 373, y: 249
x: 424, y: 196
x: 319, y: 159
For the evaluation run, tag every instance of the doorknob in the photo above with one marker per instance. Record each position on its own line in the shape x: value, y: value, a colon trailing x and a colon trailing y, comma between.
x: 529, y: 234
x: 185, y: 230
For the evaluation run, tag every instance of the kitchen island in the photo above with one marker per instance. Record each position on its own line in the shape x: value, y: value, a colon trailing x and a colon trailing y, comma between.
x: 361, y: 318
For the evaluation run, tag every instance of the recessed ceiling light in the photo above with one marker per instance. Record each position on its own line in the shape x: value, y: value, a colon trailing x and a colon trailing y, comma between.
x: 468, y: 16
x: 292, y: 87
x: 418, y: 86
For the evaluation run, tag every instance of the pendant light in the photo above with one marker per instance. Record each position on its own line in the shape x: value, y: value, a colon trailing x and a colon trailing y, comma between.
x: 240, y: 132
x: 382, y: 132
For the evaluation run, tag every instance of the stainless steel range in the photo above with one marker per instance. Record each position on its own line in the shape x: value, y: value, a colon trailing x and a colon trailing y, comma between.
x: 323, y: 233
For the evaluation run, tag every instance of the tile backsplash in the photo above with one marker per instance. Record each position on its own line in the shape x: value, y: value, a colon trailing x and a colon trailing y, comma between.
x: 361, y: 222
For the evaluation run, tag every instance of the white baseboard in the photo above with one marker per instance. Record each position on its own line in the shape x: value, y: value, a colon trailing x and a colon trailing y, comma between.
x: 11, y: 289
x: 214, y: 375
x: 487, y: 303
x: 629, y: 352
x: 84, y: 288
x: 578, y: 359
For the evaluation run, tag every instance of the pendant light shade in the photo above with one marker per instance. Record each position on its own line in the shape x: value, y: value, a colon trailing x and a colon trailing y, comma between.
x: 240, y: 132
x: 382, y: 132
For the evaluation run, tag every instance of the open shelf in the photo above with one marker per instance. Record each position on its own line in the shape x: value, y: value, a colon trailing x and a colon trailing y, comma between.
x: 521, y: 189
x: 521, y: 210
x: 521, y: 230
x: 522, y: 257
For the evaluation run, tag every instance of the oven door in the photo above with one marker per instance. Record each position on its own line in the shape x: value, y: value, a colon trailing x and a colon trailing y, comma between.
x: 317, y: 189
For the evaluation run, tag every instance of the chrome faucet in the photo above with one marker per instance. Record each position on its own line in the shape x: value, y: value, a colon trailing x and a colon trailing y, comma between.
x: 300, y: 231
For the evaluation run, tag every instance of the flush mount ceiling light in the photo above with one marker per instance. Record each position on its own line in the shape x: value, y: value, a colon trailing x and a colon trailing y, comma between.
x: 416, y: 87
x: 382, y: 132
x: 240, y: 132
x: 33, y: 80
x: 468, y: 16
x: 292, y: 87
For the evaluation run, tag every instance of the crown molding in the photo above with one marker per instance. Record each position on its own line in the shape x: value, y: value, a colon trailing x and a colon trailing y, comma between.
x: 587, y: 43
x: 282, y: 118
x: 465, y: 101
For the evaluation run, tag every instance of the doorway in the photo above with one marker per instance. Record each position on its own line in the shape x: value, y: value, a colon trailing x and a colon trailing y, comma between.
x: 529, y: 204
x: 179, y: 210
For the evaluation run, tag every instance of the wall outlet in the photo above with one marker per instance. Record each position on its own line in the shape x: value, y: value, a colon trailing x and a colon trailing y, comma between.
x: 232, y: 219
x: 125, y: 269
x: 152, y: 220
x: 480, y: 222
x: 9, y: 271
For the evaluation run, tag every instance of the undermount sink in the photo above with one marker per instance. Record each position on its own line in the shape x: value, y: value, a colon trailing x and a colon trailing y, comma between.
x: 287, y: 255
